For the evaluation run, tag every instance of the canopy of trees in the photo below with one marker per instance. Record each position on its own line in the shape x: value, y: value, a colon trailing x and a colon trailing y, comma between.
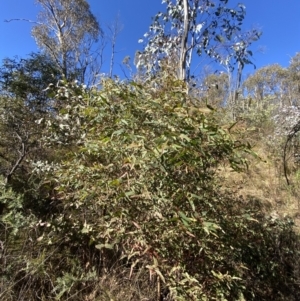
x: 66, y: 30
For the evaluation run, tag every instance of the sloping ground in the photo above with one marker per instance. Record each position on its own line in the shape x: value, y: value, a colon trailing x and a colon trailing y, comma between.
x: 264, y: 180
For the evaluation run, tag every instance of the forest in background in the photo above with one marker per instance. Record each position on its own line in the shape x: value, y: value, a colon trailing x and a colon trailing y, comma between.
x: 156, y: 184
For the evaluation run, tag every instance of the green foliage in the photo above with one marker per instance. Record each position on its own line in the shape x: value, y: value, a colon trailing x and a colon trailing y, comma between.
x: 133, y: 192
x: 116, y: 193
x: 179, y: 32
x: 69, y: 44
x: 27, y: 79
x: 24, y: 103
x: 11, y: 209
x: 139, y: 186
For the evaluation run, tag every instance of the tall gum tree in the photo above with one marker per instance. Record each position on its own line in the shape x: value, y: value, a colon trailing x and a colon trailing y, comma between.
x: 67, y: 31
x: 201, y: 27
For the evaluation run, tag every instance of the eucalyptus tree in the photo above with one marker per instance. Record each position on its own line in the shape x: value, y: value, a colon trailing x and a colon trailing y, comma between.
x: 214, y: 89
x: 294, y: 79
x: 67, y: 31
x: 268, y: 82
x: 201, y: 27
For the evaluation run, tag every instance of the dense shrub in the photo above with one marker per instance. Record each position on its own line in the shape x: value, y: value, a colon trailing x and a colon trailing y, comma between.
x: 135, y: 191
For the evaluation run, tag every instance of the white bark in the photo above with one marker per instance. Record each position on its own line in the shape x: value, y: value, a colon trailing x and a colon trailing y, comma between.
x: 184, y: 42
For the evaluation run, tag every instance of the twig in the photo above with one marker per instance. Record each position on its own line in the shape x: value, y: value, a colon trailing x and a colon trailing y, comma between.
x: 21, y: 19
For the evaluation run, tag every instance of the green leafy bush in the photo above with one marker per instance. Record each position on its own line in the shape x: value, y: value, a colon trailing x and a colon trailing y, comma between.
x: 135, y: 191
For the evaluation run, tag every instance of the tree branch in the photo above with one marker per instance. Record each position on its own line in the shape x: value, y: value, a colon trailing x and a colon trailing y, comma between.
x: 27, y: 20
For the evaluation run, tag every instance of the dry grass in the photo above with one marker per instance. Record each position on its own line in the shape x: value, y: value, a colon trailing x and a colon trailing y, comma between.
x: 265, y: 181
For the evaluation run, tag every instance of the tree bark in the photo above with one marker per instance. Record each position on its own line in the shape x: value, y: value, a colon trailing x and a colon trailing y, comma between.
x: 184, y: 40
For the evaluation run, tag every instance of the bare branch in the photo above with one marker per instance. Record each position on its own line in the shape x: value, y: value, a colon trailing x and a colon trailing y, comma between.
x: 22, y: 19
x: 19, y: 160
x: 115, y: 28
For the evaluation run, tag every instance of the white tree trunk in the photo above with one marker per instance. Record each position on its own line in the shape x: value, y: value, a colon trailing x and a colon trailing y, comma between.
x: 184, y: 40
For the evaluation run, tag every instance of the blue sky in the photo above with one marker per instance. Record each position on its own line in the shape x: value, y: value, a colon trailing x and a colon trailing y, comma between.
x: 278, y: 20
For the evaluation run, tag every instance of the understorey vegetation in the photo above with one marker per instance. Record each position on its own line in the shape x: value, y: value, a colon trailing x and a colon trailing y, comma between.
x: 161, y: 187
x: 132, y: 205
